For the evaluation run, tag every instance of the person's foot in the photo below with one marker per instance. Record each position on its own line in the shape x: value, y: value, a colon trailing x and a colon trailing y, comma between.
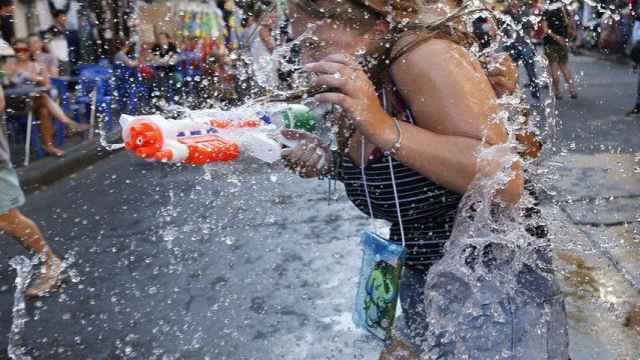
x: 574, y: 95
x: 79, y: 127
x: 53, y: 151
x: 49, y: 279
x: 634, y: 112
x: 559, y: 97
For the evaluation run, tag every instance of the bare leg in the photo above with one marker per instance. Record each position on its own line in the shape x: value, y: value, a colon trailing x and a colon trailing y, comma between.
x: 23, y: 229
x: 568, y: 76
x: 46, y: 126
x: 29, y: 235
x: 57, y: 113
x: 554, y: 68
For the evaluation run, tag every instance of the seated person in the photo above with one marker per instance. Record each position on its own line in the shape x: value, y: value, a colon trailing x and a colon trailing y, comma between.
x: 23, y: 71
x: 126, y: 55
x: 164, y: 58
x: 42, y: 56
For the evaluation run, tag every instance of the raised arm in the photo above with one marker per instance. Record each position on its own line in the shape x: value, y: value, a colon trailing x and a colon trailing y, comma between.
x: 454, y: 106
x: 452, y: 101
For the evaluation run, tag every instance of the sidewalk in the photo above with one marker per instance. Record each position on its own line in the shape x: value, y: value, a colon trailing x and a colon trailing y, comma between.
x: 79, y: 154
x: 596, y: 232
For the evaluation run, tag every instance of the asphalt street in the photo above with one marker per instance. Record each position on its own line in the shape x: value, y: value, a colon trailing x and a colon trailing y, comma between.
x: 239, y: 261
x: 595, y: 122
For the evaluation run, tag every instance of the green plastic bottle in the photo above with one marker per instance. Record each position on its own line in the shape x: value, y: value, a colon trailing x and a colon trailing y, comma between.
x: 299, y: 117
x: 295, y: 116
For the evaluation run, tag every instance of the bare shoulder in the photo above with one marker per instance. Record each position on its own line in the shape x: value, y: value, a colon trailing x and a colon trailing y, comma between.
x: 433, y: 55
x: 447, y: 89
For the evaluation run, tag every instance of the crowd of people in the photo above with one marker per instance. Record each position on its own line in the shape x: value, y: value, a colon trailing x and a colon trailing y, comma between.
x: 523, y: 39
x: 168, y: 68
x: 31, y: 63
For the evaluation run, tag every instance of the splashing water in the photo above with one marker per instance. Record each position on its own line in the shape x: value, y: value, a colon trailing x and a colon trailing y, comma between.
x: 497, y: 281
x: 24, y: 269
x: 493, y: 295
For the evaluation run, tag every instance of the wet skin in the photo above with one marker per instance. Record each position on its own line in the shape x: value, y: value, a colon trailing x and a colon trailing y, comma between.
x: 453, y: 103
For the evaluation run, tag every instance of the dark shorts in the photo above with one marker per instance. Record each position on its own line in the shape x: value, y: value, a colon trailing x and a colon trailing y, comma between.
x: 557, y: 54
x: 414, y: 328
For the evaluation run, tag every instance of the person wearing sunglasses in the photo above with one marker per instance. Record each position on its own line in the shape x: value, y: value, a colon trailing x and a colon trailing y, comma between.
x: 412, y: 95
x: 27, y: 72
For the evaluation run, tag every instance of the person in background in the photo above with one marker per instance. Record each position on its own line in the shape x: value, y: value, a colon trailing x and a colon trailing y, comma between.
x: 484, y: 31
x: 164, y: 57
x: 7, y: 9
x: 42, y: 57
x: 213, y: 70
x: 256, y: 38
x: 537, y: 10
x: 14, y: 223
x: 502, y: 73
x: 519, y: 45
x: 635, y: 56
x: 126, y: 55
x: 556, y: 47
x: 190, y: 52
x: 56, y: 39
x: 23, y: 71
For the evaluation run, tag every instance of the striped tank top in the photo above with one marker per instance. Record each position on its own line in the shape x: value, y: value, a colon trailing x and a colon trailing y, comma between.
x: 428, y: 210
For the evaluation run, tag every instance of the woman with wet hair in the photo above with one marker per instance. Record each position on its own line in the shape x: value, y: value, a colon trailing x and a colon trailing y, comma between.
x: 417, y: 108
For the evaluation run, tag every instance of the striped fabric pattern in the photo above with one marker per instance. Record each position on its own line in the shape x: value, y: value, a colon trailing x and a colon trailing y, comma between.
x: 428, y: 210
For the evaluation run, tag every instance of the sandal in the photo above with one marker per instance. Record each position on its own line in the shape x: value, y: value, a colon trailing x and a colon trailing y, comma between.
x: 49, y: 280
x: 78, y: 127
x: 53, y: 151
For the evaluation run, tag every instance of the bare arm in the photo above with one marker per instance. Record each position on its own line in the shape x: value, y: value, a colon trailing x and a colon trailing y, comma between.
x: 53, y: 69
x: 452, y: 103
x: 503, y: 74
x: 42, y: 75
x: 37, y: 74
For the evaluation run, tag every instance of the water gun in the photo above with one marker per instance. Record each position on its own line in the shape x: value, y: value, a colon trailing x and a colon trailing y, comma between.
x: 196, y: 141
x: 210, y: 136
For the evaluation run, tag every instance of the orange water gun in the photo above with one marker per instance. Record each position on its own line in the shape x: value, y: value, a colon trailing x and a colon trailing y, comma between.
x: 197, y: 141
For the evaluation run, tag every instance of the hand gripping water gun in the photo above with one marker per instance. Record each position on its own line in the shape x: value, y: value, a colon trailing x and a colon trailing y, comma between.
x: 211, y: 136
